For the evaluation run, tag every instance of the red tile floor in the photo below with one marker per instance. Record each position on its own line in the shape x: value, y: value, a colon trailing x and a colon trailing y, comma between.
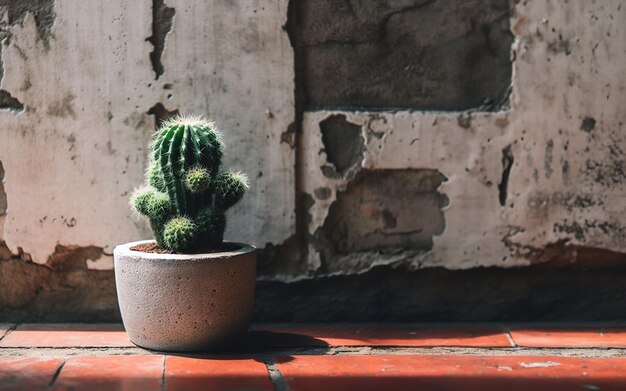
x: 323, y: 357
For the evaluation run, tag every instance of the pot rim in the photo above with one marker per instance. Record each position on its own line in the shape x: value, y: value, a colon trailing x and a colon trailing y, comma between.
x: 125, y: 250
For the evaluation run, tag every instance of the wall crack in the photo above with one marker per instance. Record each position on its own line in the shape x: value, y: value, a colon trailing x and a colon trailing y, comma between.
x: 507, y: 164
x: 162, y: 20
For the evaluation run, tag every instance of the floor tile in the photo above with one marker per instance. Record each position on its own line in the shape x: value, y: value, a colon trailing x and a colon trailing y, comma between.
x: 409, y: 372
x: 19, y: 373
x: 568, y: 337
x: 192, y: 373
x: 382, y: 335
x: 67, y: 335
x: 95, y: 373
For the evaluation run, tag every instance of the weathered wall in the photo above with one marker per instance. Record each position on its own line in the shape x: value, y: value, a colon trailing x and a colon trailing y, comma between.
x: 383, y: 140
x: 91, y: 81
x: 542, y: 167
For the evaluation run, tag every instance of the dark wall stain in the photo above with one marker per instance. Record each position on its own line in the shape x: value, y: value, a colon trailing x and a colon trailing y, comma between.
x: 322, y: 193
x: 588, y: 124
x: 542, y: 201
x: 581, y: 229
x: 289, y: 257
x: 424, y: 54
x: 551, y: 291
x: 289, y: 136
x: 464, y: 120
x: 548, y: 158
x: 507, y: 165
x: 343, y: 143
x: 8, y: 102
x: 560, y: 46
x: 161, y: 113
x: 64, y: 108
x: 565, y: 172
x: 162, y: 20
x: 608, y: 173
x: 573, y: 286
x: 387, y: 209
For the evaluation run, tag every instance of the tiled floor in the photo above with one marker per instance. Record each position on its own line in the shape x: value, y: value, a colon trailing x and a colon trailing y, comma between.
x: 323, y: 357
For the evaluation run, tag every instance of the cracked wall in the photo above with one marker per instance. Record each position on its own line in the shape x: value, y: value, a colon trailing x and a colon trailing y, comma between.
x: 420, y: 141
x: 537, y: 172
x: 91, y: 91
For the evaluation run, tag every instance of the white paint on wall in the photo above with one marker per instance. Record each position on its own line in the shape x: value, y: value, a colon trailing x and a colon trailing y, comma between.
x: 78, y: 148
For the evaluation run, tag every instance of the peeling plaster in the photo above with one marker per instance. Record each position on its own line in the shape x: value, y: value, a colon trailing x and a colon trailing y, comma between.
x: 387, y: 209
x: 73, y: 190
x: 343, y: 143
x: 42, y: 10
x: 162, y: 20
x: 85, y: 127
x: 9, y: 102
x: 550, y: 132
x: 13, y: 13
x: 233, y: 61
x: 558, y: 167
x: 62, y: 289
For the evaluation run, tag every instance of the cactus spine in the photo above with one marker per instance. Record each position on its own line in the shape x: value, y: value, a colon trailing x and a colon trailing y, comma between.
x: 186, y: 194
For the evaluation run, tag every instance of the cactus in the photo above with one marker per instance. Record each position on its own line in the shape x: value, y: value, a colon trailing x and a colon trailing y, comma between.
x: 186, y: 194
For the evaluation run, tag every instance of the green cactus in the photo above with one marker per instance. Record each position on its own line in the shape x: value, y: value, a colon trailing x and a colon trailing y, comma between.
x: 186, y: 194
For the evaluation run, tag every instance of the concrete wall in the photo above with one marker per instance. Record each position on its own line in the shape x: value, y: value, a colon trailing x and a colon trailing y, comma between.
x: 381, y: 138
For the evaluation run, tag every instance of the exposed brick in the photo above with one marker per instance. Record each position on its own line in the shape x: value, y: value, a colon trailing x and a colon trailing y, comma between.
x: 408, y: 54
x: 384, y: 209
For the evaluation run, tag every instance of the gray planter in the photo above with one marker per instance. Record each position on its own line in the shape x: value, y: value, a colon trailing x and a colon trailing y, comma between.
x: 175, y: 302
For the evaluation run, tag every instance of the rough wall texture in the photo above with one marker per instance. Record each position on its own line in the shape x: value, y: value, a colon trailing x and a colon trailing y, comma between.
x: 442, y: 55
x: 547, y: 170
x: 92, y: 90
x: 368, y: 201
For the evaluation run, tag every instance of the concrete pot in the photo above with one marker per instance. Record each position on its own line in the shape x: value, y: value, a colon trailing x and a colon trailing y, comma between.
x: 183, y: 303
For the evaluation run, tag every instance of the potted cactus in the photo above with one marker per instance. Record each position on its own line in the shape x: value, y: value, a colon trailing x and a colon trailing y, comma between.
x: 187, y: 290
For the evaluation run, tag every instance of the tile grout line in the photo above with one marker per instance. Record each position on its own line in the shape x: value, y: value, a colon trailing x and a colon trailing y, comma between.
x: 507, y: 334
x: 163, y: 374
x: 276, y: 378
x: 57, y: 373
x: 339, y: 351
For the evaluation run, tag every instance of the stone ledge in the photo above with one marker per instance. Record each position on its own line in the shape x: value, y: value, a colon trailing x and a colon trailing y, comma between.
x: 324, y: 356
